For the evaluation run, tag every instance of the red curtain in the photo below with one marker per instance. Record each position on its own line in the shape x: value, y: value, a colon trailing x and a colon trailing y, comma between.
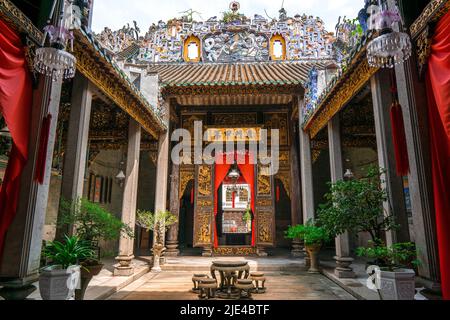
x: 248, y: 172
x: 222, y: 169
x: 15, y: 106
x: 438, y: 87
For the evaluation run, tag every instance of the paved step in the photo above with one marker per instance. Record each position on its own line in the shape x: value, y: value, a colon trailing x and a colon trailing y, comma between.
x: 202, y: 264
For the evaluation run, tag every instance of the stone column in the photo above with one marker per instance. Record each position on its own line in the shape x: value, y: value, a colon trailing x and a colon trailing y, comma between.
x: 306, y: 174
x: 382, y: 99
x: 413, y: 99
x: 162, y: 175
x: 126, y: 245
x: 19, y: 266
x: 343, y: 259
x: 172, y: 234
x: 296, y: 205
x: 77, y: 146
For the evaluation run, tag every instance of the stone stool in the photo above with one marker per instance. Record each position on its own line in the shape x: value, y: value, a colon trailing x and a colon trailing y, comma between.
x: 245, y: 285
x: 207, y: 288
x: 196, y: 279
x: 260, y: 281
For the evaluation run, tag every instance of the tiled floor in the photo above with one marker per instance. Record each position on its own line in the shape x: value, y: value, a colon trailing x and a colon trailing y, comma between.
x: 176, y: 285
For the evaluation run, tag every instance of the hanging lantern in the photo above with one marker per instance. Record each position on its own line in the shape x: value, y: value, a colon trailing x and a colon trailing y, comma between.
x: 53, y: 61
x: 390, y: 47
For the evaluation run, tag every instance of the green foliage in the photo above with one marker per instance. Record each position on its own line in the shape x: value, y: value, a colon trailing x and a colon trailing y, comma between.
x: 92, y: 222
x: 247, y: 216
x: 309, y: 233
x: 148, y: 220
x: 357, y: 206
x: 230, y: 16
x: 399, y: 255
x: 69, y: 253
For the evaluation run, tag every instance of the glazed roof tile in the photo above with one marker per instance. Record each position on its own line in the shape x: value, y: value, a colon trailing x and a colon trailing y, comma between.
x: 230, y: 74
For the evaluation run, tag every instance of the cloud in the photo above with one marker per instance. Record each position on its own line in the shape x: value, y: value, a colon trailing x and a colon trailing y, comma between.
x: 117, y: 13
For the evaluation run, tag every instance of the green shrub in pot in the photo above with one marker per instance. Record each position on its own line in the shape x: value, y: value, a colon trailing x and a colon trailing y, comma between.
x: 62, y: 259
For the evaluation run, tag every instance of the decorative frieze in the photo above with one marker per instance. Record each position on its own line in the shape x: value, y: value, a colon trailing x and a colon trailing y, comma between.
x: 341, y: 94
x: 432, y: 13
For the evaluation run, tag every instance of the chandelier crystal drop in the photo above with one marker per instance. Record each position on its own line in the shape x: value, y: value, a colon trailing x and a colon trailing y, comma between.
x: 389, y: 49
x: 55, y: 63
x: 53, y: 60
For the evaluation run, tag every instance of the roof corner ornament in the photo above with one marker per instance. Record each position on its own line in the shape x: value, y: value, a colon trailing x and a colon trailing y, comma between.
x: 235, y: 6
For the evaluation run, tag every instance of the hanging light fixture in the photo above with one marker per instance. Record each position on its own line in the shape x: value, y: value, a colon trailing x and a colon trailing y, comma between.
x: 54, y: 61
x: 234, y: 174
x: 390, y: 47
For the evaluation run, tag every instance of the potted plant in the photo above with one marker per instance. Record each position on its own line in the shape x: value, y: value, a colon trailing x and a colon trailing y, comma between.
x: 247, y: 218
x: 159, y: 223
x: 64, y: 258
x: 92, y: 223
x: 394, y: 270
x: 313, y: 237
x: 356, y: 205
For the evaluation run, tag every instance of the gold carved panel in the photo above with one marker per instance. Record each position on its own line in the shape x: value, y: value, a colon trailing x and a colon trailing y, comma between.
x: 264, y: 203
x: 202, y: 229
x: 235, y: 118
x: 235, y: 251
x: 205, y: 181
x: 265, y: 228
x: 285, y: 178
x: 278, y: 121
x: 185, y: 178
x: 264, y: 182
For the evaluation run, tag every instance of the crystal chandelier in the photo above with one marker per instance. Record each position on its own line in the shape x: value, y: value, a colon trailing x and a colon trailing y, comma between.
x: 390, y: 47
x: 54, y: 61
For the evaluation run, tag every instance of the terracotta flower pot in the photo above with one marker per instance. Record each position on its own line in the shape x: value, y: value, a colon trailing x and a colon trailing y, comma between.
x: 313, y: 251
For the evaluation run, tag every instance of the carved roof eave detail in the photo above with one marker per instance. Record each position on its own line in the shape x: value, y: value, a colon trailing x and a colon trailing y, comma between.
x: 346, y: 87
x: 245, y: 89
x: 115, y: 84
x: 19, y: 21
x: 435, y: 10
x: 128, y: 98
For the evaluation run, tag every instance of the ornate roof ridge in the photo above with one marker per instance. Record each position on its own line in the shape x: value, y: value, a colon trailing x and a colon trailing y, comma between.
x: 280, y: 62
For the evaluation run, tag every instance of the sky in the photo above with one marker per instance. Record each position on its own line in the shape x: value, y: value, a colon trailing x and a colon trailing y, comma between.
x: 117, y: 13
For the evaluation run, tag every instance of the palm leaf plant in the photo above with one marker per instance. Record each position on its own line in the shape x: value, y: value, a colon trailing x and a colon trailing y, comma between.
x: 68, y: 253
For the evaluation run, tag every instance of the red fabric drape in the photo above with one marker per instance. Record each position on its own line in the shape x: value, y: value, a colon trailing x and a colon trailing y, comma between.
x: 248, y: 172
x: 399, y: 138
x: 15, y: 106
x: 438, y: 88
x: 222, y: 169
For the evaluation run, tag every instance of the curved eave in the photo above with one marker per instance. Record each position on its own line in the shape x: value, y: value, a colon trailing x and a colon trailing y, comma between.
x: 342, y: 89
x: 113, y: 82
x: 94, y: 63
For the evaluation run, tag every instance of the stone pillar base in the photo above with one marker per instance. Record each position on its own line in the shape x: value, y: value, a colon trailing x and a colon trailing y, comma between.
x: 17, y: 293
x: 125, y: 267
x: 172, y: 249
x: 343, y: 269
x: 297, y: 251
x: 261, y: 252
x: 18, y: 289
x: 207, y: 252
